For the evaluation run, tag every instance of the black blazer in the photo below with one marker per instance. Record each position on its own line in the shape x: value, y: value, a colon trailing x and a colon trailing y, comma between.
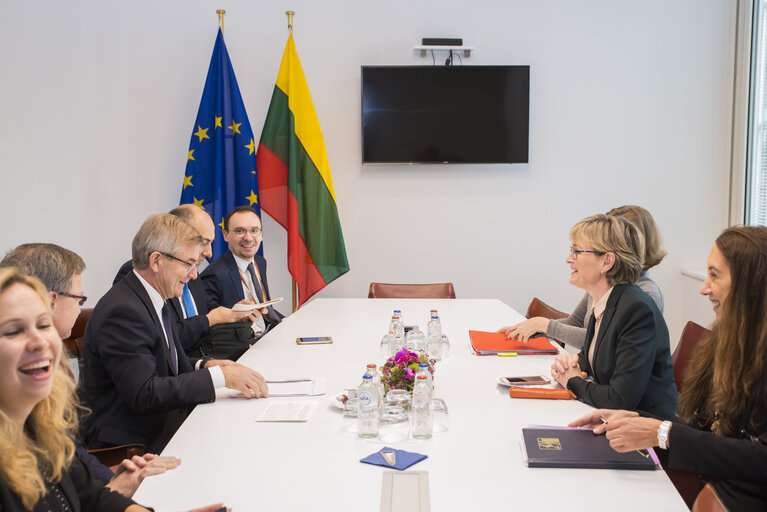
x: 191, y: 329
x: 632, y: 357
x: 224, y: 286
x: 126, y: 378
x: 81, y: 489
x: 739, y: 462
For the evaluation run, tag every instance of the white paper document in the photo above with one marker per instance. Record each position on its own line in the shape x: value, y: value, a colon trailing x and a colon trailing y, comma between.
x: 296, y: 410
x: 248, y: 307
x: 297, y: 387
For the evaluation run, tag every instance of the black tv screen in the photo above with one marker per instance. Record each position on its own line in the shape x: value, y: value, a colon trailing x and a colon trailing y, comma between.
x: 445, y: 114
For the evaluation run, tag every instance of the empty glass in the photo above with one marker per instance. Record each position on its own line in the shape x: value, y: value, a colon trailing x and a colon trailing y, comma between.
x: 415, y: 341
x: 351, y: 407
x: 399, y: 397
x: 439, y: 413
x: 445, y: 347
x: 394, y: 426
x: 384, y: 349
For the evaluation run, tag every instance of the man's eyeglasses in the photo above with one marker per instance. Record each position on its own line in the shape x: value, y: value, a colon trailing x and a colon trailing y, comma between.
x: 241, y: 231
x: 575, y: 252
x: 80, y: 298
x: 190, y: 265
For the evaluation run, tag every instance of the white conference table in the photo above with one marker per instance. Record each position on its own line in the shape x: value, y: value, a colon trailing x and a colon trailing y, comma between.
x: 476, y: 464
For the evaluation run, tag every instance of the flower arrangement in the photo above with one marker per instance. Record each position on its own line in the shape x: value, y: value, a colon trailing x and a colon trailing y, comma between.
x: 399, y: 371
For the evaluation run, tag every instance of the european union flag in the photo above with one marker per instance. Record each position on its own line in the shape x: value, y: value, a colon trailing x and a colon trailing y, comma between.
x: 221, y: 163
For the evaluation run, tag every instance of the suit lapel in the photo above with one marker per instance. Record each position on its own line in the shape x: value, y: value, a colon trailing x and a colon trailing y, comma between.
x: 607, y: 317
x: 234, y: 275
x: 139, y: 290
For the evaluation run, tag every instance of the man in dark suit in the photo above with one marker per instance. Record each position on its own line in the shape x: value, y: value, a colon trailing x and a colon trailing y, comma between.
x: 190, y: 311
x: 135, y: 377
x: 240, y: 273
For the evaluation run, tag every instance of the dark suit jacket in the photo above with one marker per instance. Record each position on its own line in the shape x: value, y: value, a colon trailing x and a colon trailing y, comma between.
x: 739, y: 462
x: 81, y: 489
x: 191, y: 329
x: 224, y: 287
x: 126, y: 378
x: 632, y: 357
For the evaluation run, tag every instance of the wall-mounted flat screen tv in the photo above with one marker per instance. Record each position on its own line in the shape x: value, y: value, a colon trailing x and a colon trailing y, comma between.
x: 445, y: 114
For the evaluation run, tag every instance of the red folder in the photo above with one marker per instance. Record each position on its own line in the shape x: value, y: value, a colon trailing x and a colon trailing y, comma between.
x: 488, y: 343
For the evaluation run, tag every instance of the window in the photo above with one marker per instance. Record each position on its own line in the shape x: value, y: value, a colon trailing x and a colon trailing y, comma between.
x: 756, y: 158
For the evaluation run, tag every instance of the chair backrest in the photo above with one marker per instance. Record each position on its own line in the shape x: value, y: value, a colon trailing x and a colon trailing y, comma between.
x: 682, y: 356
x: 539, y: 308
x: 708, y: 501
x: 114, y: 455
x: 411, y: 291
x: 74, y: 344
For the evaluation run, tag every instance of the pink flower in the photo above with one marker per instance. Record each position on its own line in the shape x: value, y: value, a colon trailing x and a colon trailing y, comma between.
x: 409, y: 373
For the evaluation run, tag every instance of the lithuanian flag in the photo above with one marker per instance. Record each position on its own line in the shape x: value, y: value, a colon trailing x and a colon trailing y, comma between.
x: 295, y: 182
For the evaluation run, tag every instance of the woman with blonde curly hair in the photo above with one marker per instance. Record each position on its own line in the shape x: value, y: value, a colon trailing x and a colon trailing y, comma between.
x: 38, y: 469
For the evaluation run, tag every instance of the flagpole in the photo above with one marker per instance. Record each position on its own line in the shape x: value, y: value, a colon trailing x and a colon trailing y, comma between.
x: 221, y: 13
x: 294, y: 285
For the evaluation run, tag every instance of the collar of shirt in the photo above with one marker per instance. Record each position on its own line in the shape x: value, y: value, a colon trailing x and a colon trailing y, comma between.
x: 154, y: 295
x: 243, y: 264
x: 601, y: 304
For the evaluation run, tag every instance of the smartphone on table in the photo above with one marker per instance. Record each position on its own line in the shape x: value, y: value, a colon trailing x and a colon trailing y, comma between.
x: 314, y: 340
x: 532, y: 380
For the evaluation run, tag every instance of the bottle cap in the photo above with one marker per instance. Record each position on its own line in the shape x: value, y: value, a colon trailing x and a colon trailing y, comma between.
x: 371, y: 365
x: 423, y: 364
x: 367, y: 376
x: 420, y: 377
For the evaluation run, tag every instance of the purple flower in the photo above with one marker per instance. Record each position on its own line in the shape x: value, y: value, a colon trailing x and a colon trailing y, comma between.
x: 409, y: 374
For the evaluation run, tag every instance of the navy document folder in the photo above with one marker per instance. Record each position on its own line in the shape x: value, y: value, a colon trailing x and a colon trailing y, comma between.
x: 579, y: 448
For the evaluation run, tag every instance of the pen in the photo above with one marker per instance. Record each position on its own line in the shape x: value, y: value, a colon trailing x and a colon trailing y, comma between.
x: 603, y: 420
x: 506, y: 354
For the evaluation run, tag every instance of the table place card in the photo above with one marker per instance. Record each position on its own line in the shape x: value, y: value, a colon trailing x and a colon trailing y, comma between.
x: 296, y: 410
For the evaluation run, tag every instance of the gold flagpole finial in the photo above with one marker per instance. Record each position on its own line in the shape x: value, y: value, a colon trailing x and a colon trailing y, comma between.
x: 290, y: 20
x: 221, y: 13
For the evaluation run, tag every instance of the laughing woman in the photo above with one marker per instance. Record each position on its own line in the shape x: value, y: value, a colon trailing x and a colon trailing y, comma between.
x: 625, y: 361
x: 38, y: 470
x: 723, y: 406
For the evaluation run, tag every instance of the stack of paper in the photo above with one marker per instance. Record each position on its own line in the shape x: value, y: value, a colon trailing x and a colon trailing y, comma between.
x: 487, y: 343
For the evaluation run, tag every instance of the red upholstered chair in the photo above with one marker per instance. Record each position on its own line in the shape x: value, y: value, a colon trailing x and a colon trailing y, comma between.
x: 708, y: 501
x: 74, y: 344
x: 411, y: 291
x: 682, y: 356
x: 539, y: 308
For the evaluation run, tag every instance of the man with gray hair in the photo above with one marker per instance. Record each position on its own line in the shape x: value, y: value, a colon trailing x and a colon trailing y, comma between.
x: 136, y: 378
x: 60, y: 270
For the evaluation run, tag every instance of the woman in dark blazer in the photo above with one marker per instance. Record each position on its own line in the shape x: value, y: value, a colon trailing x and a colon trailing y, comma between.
x: 722, y: 434
x: 625, y: 361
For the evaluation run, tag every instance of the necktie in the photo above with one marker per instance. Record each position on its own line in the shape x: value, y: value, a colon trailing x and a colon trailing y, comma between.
x: 256, y: 285
x: 171, y: 343
x: 186, y: 297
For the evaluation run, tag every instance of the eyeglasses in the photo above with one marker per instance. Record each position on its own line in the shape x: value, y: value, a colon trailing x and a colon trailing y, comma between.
x: 241, y: 231
x: 190, y: 265
x: 575, y: 252
x: 80, y: 298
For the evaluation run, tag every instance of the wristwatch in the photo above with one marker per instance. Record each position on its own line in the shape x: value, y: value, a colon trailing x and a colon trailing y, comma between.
x: 663, y: 431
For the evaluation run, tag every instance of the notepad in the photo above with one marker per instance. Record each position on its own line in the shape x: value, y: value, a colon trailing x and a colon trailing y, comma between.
x: 248, y: 307
x: 296, y: 410
x: 489, y: 343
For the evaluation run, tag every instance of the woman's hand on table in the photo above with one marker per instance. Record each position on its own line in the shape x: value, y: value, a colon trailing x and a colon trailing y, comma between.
x: 566, y: 367
x: 524, y: 330
x: 130, y: 473
x: 599, y: 419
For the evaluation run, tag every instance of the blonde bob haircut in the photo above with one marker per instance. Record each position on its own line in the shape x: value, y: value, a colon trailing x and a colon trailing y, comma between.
x: 43, y: 449
x: 163, y: 233
x: 653, y: 253
x: 607, y: 233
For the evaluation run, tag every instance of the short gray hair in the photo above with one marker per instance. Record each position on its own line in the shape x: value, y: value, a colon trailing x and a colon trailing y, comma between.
x: 164, y: 233
x: 50, y: 263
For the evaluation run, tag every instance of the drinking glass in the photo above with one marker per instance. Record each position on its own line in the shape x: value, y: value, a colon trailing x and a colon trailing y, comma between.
x: 384, y: 349
x: 399, y: 397
x: 394, y: 426
x: 439, y: 413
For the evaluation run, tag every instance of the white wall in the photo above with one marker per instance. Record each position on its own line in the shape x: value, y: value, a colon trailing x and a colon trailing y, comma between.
x: 630, y: 103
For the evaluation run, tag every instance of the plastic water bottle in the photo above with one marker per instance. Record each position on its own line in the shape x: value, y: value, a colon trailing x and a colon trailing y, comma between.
x: 397, y: 325
x: 377, y: 381
x: 367, y: 417
x: 421, y: 419
x: 423, y: 369
x: 434, y: 327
